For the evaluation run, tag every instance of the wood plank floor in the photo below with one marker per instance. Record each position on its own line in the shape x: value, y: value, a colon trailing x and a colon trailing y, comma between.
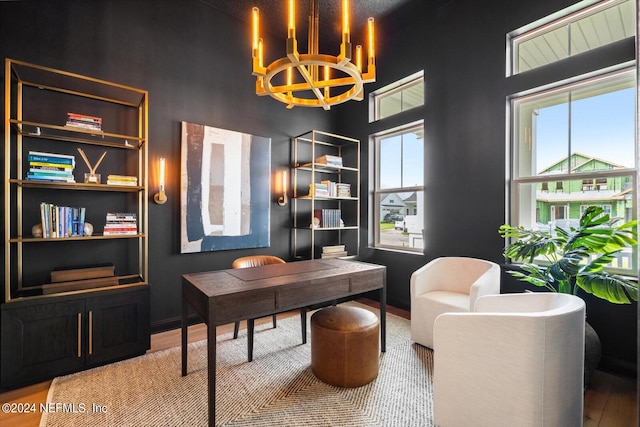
x: 610, y: 401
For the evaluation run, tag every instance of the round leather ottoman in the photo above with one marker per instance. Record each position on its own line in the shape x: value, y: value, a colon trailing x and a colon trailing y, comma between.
x: 344, y: 346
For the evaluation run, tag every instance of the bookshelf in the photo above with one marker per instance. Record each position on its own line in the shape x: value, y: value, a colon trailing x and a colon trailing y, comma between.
x: 70, y: 325
x: 326, y: 195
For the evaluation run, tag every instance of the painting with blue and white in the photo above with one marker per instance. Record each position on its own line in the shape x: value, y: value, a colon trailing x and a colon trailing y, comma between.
x: 225, y: 189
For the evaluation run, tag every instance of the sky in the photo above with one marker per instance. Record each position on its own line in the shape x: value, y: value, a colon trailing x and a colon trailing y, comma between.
x: 602, y: 127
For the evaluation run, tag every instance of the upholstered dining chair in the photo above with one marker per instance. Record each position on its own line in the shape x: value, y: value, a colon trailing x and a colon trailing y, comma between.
x: 448, y: 284
x: 256, y: 261
x: 516, y: 360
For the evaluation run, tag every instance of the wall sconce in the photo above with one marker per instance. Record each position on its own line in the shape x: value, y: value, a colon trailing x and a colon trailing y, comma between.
x: 160, y: 197
x: 281, y: 188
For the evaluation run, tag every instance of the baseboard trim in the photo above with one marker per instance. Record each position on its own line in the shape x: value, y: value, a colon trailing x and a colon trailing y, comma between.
x: 619, y: 367
x: 175, y: 323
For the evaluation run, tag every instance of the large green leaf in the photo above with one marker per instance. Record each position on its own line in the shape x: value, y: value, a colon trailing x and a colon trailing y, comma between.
x: 612, y: 288
x: 577, y: 258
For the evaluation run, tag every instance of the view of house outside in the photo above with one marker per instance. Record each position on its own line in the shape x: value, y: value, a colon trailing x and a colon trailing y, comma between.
x: 574, y: 148
x: 401, y: 223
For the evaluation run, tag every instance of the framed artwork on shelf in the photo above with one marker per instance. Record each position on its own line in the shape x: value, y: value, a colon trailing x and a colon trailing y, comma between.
x: 225, y: 189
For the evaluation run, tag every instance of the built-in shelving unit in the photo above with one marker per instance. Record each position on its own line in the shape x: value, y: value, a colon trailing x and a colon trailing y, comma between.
x: 50, y: 329
x: 341, y: 209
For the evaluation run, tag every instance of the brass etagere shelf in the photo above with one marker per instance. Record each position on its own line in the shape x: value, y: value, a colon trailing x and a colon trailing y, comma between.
x: 20, y: 76
x: 307, y: 148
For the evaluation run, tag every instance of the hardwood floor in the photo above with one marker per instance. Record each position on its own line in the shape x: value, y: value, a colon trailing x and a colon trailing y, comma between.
x: 610, y: 401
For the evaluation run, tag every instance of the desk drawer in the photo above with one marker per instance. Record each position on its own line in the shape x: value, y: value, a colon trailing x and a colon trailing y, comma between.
x: 244, y: 305
x: 311, y: 293
x: 367, y: 281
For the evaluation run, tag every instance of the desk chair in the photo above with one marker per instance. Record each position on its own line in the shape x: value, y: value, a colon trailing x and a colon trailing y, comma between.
x: 256, y: 261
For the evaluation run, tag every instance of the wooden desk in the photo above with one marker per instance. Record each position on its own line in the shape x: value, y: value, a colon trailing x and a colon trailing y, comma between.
x: 225, y: 296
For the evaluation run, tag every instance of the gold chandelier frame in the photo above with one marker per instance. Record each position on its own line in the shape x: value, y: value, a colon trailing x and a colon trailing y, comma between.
x: 326, y: 90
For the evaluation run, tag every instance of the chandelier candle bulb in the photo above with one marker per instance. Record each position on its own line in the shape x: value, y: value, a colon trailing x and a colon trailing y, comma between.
x: 371, y: 40
x: 345, y: 21
x: 292, y: 19
x: 255, y: 13
x: 359, y: 57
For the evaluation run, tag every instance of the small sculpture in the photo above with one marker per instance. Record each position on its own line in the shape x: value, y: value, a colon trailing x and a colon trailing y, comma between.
x: 91, y: 177
x: 88, y: 229
x: 36, y: 230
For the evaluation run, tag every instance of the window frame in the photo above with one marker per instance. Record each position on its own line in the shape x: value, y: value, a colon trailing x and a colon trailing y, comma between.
x: 399, y: 86
x: 379, y: 194
x: 517, y: 182
x: 563, y: 18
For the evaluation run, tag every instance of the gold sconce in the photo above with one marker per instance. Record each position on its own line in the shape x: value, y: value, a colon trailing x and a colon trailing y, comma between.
x: 281, y: 187
x: 160, y: 197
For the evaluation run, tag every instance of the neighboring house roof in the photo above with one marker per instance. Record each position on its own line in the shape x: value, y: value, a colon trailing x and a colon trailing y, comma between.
x: 392, y: 200
x: 411, y: 198
x: 580, y: 161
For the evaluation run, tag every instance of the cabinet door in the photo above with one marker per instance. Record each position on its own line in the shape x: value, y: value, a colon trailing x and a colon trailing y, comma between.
x: 118, y: 326
x: 41, y: 341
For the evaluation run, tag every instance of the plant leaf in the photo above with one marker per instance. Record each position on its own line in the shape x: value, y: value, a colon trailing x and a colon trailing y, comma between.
x: 612, y: 288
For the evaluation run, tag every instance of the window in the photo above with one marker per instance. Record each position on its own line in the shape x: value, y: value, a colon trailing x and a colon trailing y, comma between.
x: 570, y: 32
x: 400, y: 96
x: 399, y: 188
x: 574, y: 146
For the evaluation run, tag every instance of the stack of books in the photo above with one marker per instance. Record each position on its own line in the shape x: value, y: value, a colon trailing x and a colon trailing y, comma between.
x: 50, y: 167
x: 122, y: 180
x: 335, y: 251
x: 83, y: 121
x: 335, y: 189
x: 121, y: 224
x: 343, y: 189
x: 61, y: 221
x: 318, y: 190
x: 328, y: 218
x: 329, y: 160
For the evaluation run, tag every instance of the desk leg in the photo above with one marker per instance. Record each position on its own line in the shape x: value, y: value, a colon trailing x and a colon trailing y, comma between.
x: 303, y: 321
x: 383, y: 319
x: 185, y: 311
x: 211, y: 369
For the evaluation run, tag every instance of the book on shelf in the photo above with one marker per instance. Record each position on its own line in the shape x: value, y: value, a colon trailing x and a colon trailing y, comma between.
x: 329, y: 160
x: 84, y: 121
x: 51, y: 167
x: 121, y: 223
x: 61, y: 221
x: 327, y: 218
x: 337, y: 189
x: 122, y: 180
x: 318, y: 190
x: 333, y: 254
x: 333, y: 248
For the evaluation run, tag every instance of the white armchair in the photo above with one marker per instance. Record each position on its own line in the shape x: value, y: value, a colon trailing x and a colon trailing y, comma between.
x: 516, y: 361
x: 448, y: 284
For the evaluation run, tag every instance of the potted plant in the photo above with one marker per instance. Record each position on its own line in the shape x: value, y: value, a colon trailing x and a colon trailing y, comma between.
x: 568, y: 260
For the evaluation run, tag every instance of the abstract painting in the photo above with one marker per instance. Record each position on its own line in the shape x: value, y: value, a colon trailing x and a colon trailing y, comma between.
x: 224, y: 189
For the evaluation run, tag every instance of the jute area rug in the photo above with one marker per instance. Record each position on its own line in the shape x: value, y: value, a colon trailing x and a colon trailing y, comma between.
x: 276, y: 389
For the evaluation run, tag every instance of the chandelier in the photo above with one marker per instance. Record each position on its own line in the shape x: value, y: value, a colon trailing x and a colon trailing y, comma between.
x: 313, y: 79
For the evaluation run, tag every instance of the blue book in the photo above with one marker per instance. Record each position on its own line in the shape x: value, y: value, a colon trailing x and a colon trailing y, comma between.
x: 49, y: 159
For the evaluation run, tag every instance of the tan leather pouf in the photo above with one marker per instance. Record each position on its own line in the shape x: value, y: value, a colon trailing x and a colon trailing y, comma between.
x: 344, y: 346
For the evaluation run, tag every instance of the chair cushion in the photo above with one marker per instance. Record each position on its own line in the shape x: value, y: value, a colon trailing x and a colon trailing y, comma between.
x: 428, y: 306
